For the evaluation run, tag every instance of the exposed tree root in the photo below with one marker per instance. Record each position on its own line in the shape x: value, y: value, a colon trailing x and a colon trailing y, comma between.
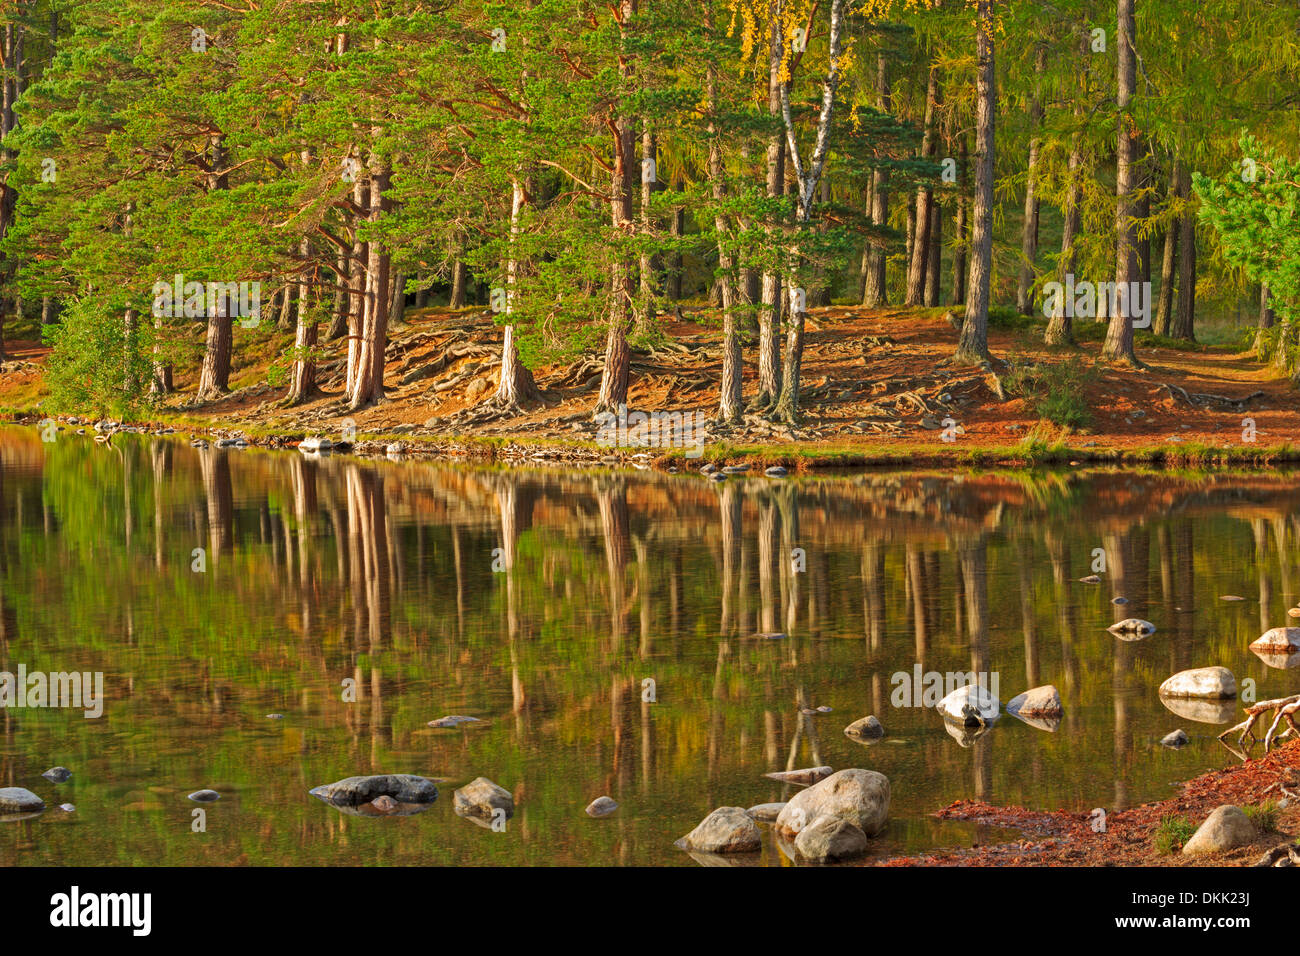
x: 1284, y: 709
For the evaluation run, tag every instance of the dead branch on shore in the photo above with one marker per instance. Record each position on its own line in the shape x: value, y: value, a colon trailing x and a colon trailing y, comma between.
x: 1283, y: 708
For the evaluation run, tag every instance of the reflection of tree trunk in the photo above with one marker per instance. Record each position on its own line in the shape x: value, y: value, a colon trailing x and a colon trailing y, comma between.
x: 460, y: 583
x: 730, y: 506
x: 1058, y: 551
x: 974, y: 565
x: 1260, y: 532
x: 1028, y: 624
x: 1284, y: 560
x: 160, y: 453
x: 1116, y: 546
x: 1185, y: 593
x: 612, y: 499
x: 873, y: 596
x: 220, y: 497
x: 368, y: 541
x: 768, y: 555
x: 916, y: 577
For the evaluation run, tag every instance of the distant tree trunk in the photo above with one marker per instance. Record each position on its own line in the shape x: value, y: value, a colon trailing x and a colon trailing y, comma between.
x: 516, y: 384
x: 214, y: 376
x: 163, y: 381
x: 1029, y: 230
x: 339, y: 313
x: 919, y: 250
x: 459, y: 279
x: 618, y: 357
x: 649, y: 265
x: 677, y: 229
x: 287, y: 297
x: 769, y: 314
x: 932, y: 270
x: 1267, y: 319
x: 1165, y: 308
x: 369, y: 387
x: 959, y: 254
x: 873, y: 290
x: 357, y: 280
x: 730, y: 391
x: 820, y: 293
x: 1184, y: 326
x: 973, y: 346
x: 397, y: 307
x: 1119, y: 334
x: 1060, y: 326
x: 49, y: 310
x: 302, y: 376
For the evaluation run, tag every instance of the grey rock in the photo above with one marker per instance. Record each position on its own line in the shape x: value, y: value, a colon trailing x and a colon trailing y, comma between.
x: 1176, y: 739
x: 766, y: 812
x: 57, y: 774
x: 860, y: 797
x: 19, y: 800
x: 868, y: 728
x: 601, y: 807
x: 775, y: 471
x: 1226, y: 828
x: 482, y: 798
x: 829, y: 839
x: 1212, y: 682
x: 354, y: 791
x: 1042, y: 701
x: 453, y: 721
x: 205, y: 796
x: 67, y: 807
x: 725, y: 830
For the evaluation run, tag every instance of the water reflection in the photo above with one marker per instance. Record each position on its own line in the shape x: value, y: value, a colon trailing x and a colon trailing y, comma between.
x: 661, y: 640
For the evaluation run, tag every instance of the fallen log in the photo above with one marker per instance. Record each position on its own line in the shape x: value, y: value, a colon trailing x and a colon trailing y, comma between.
x: 1284, y: 709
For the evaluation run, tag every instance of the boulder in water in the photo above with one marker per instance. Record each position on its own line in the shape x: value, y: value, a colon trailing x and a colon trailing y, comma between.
x: 829, y: 839
x: 725, y: 830
x: 483, y: 798
x: 19, y: 800
x: 1209, y: 682
x: 354, y: 791
x: 860, y: 797
x: 867, y: 728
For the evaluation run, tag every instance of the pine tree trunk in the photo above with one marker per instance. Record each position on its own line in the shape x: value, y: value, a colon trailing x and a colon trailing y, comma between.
x: 397, y: 305
x: 649, y: 264
x: 1184, y: 326
x: 730, y: 391
x: 459, y: 278
x: 339, y: 310
x: 1267, y: 319
x: 1165, y: 309
x: 1029, y: 230
x: 374, y: 332
x: 769, y: 313
x: 516, y: 384
x: 214, y: 376
x: 677, y: 229
x: 302, y: 377
x: 973, y: 346
x: 1060, y: 326
x: 960, y: 254
x: 358, y: 280
x: 922, y: 217
x: 874, y: 293
x: 932, y: 270
x: 1119, y: 333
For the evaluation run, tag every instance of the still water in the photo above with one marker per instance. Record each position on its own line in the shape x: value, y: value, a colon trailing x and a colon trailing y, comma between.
x: 362, y: 599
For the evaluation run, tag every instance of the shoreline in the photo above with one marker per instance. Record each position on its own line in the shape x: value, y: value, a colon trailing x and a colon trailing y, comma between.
x: 1066, y: 838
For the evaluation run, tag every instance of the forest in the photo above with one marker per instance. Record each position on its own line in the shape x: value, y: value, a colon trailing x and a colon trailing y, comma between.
x: 188, y: 183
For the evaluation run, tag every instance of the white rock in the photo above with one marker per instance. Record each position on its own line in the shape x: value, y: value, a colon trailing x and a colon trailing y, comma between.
x: 953, y: 706
x: 1213, y: 682
x: 859, y: 796
x: 1226, y: 828
x: 1042, y: 701
x: 830, y: 839
x: 725, y: 830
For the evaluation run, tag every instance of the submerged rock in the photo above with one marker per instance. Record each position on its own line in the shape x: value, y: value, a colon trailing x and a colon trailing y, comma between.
x: 1177, y: 739
x: 806, y: 776
x: 601, y: 807
x: 766, y: 812
x: 1042, y: 701
x: 19, y: 800
x: 1132, y: 627
x: 860, y: 797
x: 969, y: 705
x: 725, y: 830
x: 1090, y: 579
x: 735, y: 469
x: 482, y: 798
x: 275, y: 716
x: 205, y: 796
x: 867, y: 728
x: 775, y: 471
x: 67, y: 807
x: 829, y: 839
x: 384, y: 803
x: 1231, y: 597
x: 1119, y: 600
x: 57, y: 774
x: 1226, y: 828
x: 453, y: 721
x: 1211, y: 682
x: 354, y: 791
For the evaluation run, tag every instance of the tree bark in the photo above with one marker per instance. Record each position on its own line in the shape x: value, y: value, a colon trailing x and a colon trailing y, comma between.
x: 960, y: 265
x: 730, y: 391
x: 369, y: 386
x: 1029, y: 230
x: 1119, y: 333
x: 919, y: 251
x: 932, y: 270
x: 1165, y: 310
x: 1184, y: 326
x: 769, y: 313
x: 874, y: 293
x: 214, y: 376
x: 973, y: 346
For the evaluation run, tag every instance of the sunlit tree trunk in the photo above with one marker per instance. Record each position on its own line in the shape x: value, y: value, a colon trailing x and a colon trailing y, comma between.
x: 973, y: 346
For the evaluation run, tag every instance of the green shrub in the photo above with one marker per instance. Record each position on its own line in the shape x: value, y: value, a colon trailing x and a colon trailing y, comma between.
x: 1173, y: 832
x: 1264, y: 816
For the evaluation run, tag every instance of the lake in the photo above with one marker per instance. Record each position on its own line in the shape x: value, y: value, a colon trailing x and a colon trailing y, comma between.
x: 613, y: 632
